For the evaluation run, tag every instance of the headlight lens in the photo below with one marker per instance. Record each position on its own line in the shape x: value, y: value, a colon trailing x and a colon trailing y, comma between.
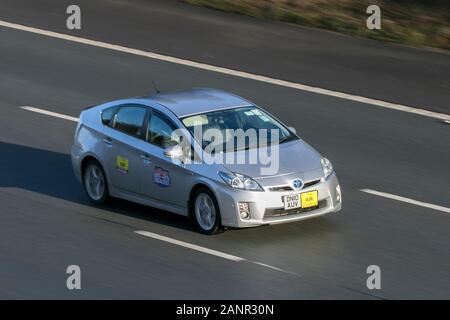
x: 240, y: 181
x: 327, y: 167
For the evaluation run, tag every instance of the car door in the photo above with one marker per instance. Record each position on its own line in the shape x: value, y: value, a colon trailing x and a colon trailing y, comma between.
x: 123, y: 141
x: 165, y: 178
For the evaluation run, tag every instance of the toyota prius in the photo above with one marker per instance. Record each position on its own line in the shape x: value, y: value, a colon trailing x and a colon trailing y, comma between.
x: 206, y: 154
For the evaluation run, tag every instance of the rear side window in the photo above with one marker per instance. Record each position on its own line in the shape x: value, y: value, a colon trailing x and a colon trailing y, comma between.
x: 130, y: 120
x: 107, y: 115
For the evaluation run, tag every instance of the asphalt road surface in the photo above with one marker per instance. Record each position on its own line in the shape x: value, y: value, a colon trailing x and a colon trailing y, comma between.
x: 47, y: 223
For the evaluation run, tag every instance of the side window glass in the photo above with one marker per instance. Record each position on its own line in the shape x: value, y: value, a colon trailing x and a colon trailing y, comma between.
x: 130, y: 120
x: 160, y: 132
x: 107, y: 115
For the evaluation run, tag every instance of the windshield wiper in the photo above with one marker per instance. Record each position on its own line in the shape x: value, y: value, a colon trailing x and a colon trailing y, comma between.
x: 247, y: 147
x: 287, y: 139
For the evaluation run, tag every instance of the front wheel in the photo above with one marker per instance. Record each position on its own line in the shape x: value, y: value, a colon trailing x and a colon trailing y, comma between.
x: 205, y: 212
x: 94, y: 181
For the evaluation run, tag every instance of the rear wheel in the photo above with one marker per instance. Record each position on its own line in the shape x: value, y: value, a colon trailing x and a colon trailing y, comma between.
x: 94, y: 181
x: 205, y: 212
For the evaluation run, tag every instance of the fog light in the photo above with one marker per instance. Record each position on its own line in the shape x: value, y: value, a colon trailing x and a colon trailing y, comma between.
x: 244, y: 210
x: 338, y: 193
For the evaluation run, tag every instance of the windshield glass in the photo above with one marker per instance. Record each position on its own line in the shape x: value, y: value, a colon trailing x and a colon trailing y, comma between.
x: 243, y: 119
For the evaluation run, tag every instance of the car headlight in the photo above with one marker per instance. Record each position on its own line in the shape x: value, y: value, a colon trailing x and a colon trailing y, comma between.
x: 240, y: 181
x: 327, y: 167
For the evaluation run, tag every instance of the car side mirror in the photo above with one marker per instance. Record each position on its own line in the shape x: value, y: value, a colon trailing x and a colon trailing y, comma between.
x: 174, y: 151
x: 293, y: 130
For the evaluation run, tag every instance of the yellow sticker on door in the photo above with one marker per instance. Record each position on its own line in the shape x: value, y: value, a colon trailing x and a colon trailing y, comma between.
x: 122, y: 164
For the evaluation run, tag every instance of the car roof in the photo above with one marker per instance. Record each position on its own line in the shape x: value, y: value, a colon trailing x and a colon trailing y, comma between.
x: 198, y: 100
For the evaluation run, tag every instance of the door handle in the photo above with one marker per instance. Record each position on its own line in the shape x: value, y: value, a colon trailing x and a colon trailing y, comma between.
x: 108, y: 141
x: 146, y: 158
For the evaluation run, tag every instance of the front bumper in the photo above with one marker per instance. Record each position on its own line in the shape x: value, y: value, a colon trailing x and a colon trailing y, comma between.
x: 264, y: 204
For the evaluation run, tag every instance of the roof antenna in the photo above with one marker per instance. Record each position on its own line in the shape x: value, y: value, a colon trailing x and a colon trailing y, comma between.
x: 155, y: 87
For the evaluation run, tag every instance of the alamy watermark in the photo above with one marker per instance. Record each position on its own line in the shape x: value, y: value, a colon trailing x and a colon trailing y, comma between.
x: 73, y: 21
x: 373, y: 22
x: 231, y: 146
x: 74, y: 280
x: 374, y: 280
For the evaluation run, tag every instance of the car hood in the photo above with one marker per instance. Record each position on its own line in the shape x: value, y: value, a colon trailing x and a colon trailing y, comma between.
x: 296, y: 159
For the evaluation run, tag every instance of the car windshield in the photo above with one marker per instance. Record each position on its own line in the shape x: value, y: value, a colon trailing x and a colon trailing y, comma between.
x: 249, y: 120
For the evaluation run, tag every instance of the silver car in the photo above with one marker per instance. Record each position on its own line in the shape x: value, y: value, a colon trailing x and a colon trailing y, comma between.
x: 148, y: 150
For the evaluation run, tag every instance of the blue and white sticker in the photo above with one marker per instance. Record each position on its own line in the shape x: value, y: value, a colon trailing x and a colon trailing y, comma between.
x: 161, y: 177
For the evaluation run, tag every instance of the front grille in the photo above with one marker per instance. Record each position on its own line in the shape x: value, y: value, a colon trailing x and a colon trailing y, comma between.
x: 311, y: 183
x: 279, y: 212
x: 289, y: 188
x: 282, y: 188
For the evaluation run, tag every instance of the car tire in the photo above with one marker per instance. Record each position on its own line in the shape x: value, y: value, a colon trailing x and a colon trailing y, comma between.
x: 93, y: 173
x: 204, y: 204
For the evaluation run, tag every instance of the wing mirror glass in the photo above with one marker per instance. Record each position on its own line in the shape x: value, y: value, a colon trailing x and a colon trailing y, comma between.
x: 293, y: 130
x: 174, y: 151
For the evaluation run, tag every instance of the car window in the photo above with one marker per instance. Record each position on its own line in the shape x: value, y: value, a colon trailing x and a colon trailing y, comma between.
x: 108, y: 114
x: 130, y: 119
x: 160, y: 131
x: 245, y: 118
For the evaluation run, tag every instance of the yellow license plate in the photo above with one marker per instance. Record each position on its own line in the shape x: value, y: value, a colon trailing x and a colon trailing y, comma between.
x: 309, y: 199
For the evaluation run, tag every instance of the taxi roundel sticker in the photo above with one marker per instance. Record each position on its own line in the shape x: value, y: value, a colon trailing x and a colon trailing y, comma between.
x: 161, y: 177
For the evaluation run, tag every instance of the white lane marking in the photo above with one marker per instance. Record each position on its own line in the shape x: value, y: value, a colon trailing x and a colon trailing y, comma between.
x: 236, y: 73
x: 50, y: 113
x: 208, y: 251
x: 274, y: 268
x: 407, y: 200
x: 190, y: 246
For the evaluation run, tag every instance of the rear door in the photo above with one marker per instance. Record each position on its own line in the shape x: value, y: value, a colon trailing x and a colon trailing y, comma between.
x: 123, y: 142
